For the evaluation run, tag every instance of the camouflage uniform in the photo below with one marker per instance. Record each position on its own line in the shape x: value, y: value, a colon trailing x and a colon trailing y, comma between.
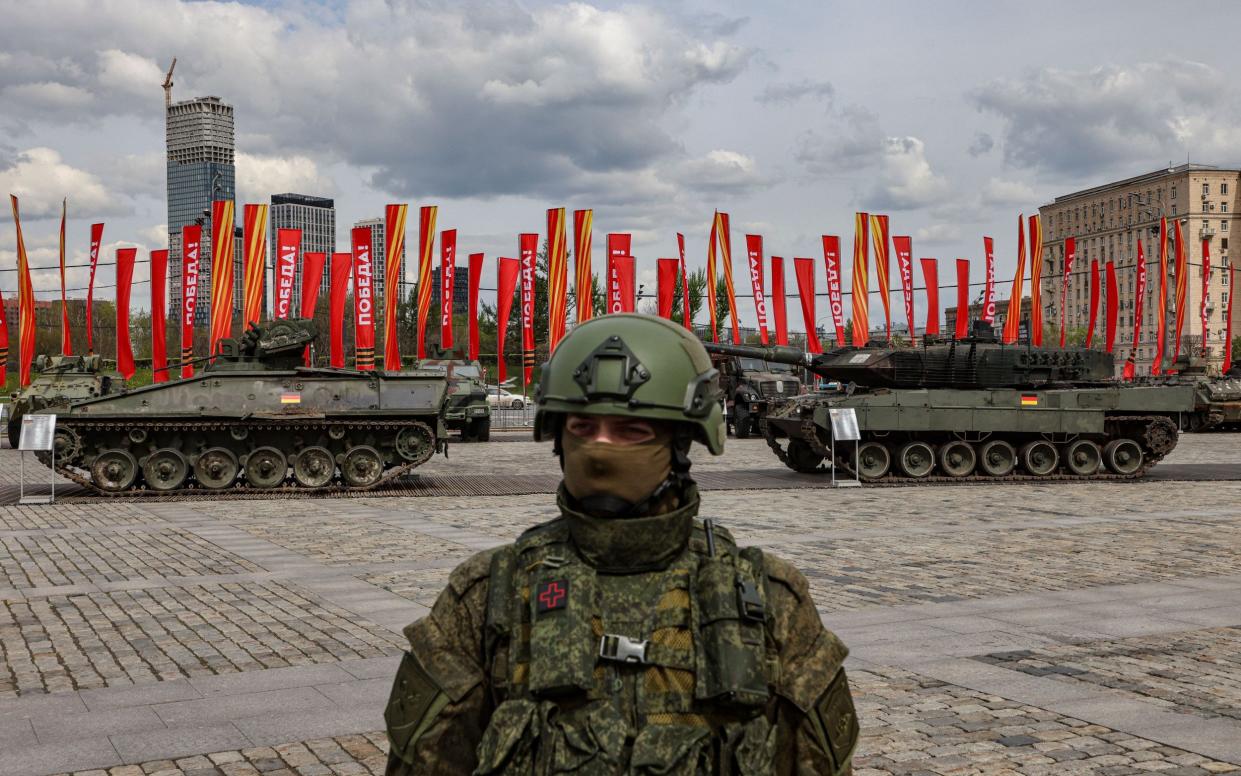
x: 643, y: 645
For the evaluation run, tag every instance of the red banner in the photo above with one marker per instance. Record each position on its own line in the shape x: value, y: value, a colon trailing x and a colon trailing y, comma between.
x: 528, y: 245
x: 394, y: 251
x: 312, y: 277
x: 124, y: 282
x: 779, y: 310
x: 619, y: 244
x: 861, y: 280
x: 686, y: 313
x: 338, y: 289
x: 1036, y: 281
x: 835, y: 303
x: 426, y: 240
x: 1139, y: 294
x: 448, y: 275
x: 475, y: 280
x: 988, y: 291
x: 879, y: 235
x: 253, y: 263
x: 96, y: 239
x: 1206, y: 289
x: 4, y: 343
x: 963, y: 299
x: 25, y: 303
x: 1070, y: 251
x: 711, y: 275
x: 557, y: 276
x: 288, y: 246
x: 726, y: 257
x: 804, y: 269
x: 191, y: 252
x: 930, y: 278
x: 66, y: 341
x: 363, y: 300
x: 583, y: 285
x: 506, y: 284
x: 754, y: 253
x: 621, y: 284
x: 1113, y: 302
x: 1161, y: 304
x: 1094, y: 301
x: 905, y: 265
x: 1232, y: 293
x: 1182, y: 286
x: 1012, y: 321
x: 222, y: 251
x: 159, y: 316
x: 666, y: 285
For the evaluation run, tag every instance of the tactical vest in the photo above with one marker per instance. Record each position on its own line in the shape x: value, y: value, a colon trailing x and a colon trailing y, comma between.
x: 664, y: 672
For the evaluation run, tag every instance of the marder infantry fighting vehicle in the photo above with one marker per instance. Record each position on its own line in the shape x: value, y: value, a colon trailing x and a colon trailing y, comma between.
x: 976, y: 409
x: 58, y: 381
x: 753, y: 387
x: 255, y: 416
x: 1218, y: 399
x: 467, y: 409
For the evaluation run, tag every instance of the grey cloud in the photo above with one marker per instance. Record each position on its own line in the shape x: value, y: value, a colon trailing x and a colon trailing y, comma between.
x: 792, y: 92
x: 854, y: 142
x: 439, y: 99
x: 1086, y: 122
x: 982, y: 143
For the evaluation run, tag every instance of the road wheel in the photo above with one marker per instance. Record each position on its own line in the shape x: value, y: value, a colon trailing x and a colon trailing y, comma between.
x: 957, y: 458
x: 802, y: 458
x: 165, y: 469
x: 916, y: 459
x: 997, y: 458
x: 873, y: 460
x: 1039, y: 457
x: 1083, y: 457
x: 362, y: 466
x: 314, y: 467
x: 516, y: 405
x: 1123, y: 456
x: 416, y: 443
x: 216, y: 468
x: 266, y: 467
x: 114, y: 470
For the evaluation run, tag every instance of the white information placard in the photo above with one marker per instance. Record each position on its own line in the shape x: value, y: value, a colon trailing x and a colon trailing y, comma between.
x: 37, y: 432
x: 844, y: 424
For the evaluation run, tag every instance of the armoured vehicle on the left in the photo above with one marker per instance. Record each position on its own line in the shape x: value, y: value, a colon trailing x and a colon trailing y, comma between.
x: 59, y: 381
x: 256, y: 418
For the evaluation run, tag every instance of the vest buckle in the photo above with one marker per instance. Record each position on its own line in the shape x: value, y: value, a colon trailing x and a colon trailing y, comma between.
x: 749, y: 602
x: 622, y: 649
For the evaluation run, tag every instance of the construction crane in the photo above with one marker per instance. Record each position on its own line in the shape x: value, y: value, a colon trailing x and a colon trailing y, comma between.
x: 168, y: 84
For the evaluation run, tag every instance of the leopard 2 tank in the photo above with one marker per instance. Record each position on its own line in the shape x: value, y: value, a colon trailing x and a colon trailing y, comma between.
x: 975, y: 409
x: 256, y: 418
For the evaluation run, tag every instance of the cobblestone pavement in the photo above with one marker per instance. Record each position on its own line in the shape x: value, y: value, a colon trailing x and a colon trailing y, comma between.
x: 1004, y: 629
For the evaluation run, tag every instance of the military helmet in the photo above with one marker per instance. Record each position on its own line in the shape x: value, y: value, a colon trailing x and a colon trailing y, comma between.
x: 640, y: 366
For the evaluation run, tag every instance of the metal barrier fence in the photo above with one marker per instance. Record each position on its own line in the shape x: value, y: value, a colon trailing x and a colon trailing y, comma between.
x: 512, y: 418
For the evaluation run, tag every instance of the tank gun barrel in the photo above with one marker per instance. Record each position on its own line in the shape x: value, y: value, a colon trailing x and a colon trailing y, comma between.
x: 775, y: 354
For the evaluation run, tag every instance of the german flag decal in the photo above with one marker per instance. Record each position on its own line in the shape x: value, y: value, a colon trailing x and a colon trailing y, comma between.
x: 290, y: 398
x: 1029, y: 400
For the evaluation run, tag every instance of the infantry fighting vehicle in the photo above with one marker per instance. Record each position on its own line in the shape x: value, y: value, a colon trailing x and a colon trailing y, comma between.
x: 753, y: 387
x: 257, y: 418
x: 466, y: 410
x: 1218, y: 399
x: 59, y: 381
x: 976, y: 409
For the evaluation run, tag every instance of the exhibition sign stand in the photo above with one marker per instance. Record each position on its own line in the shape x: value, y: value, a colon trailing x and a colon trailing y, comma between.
x: 845, y: 429
x: 37, y: 434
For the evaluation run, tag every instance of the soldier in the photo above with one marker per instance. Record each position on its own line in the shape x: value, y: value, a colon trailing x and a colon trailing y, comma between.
x: 625, y: 636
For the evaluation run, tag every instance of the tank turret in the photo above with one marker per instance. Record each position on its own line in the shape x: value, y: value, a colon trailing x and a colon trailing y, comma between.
x: 277, y: 345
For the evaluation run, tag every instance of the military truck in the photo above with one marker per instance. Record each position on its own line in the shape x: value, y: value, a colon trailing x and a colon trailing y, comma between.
x: 752, y: 388
x: 467, y: 410
x: 57, y: 382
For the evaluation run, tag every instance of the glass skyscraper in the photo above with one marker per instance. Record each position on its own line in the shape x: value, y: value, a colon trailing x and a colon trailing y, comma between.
x: 200, y: 169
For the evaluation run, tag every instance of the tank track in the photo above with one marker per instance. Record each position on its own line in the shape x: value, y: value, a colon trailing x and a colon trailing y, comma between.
x: 1160, y: 438
x: 285, y: 489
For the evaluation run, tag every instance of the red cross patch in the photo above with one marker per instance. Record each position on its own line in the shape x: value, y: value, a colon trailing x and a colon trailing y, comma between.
x: 552, y: 595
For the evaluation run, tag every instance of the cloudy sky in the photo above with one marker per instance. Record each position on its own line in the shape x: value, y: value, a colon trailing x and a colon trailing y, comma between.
x: 950, y: 116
